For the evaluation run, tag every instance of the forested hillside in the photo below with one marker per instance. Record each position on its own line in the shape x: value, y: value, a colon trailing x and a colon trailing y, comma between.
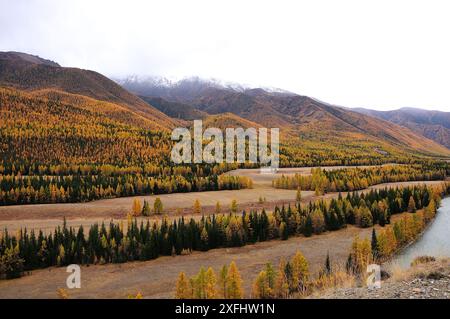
x: 312, y: 131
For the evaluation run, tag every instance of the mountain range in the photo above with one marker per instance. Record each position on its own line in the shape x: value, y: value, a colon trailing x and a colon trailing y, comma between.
x: 299, y: 116
x: 312, y: 132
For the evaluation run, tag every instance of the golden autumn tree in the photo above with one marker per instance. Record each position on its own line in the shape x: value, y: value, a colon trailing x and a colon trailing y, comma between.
x: 136, y: 208
x: 210, y: 287
x: 218, y: 209
x: 429, y: 211
x: 411, y: 205
x: 360, y: 256
x: 200, y: 284
x: 261, y: 288
x: 197, y: 207
x: 183, y: 289
x: 281, y: 286
x: 222, y: 282
x: 298, y: 195
x: 234, y: 283
x: 233, y: 206
x: 300, y: 272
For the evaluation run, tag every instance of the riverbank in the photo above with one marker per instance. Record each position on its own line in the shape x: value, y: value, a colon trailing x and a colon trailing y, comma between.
x: 423, y: 281
x: 434, y: 241
x: 411, y: 275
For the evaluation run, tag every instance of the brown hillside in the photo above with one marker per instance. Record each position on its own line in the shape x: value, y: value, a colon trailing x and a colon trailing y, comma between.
x: 27, y: 72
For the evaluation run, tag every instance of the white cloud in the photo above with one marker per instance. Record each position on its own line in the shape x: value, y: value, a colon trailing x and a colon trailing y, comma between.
x: 380, y: 54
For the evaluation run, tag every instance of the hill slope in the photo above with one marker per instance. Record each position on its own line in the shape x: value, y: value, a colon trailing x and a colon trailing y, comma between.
x: 434, y: 125
x: 27, y: 72
x: 49, y: 127
x: 174, y: 109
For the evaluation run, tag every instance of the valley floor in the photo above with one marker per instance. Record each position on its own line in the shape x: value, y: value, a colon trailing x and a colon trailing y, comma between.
x: 48, y: 216
x: 156, y: 278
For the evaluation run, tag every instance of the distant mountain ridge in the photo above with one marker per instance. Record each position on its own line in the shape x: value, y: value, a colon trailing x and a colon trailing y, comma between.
x: 17, y: 56
x: 298, y: 116
x: 186, y: 88
x: 434, y: 125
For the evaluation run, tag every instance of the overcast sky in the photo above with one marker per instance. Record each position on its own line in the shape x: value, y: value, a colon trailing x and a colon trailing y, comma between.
x: 378, y: 54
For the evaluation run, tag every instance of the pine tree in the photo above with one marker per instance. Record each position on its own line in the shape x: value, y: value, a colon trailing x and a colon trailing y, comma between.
x: 361, y: 255
x: 308, y: 230
x: 270, y: 271
x: 204, y: 240
x: 146, y: 211
x: 432, y: 206
x: 284, y: 232
x: 374, y: 244
x: 327, y: 268
x: 318, y: 221
x: 157, y: 206
x: 234, y: 283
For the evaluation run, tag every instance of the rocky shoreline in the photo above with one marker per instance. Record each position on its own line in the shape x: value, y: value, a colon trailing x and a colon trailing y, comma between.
x: 429, y: 280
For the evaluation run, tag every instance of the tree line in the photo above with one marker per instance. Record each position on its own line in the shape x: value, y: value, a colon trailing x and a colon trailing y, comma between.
x: 81, y: 187
x: 349, y: 179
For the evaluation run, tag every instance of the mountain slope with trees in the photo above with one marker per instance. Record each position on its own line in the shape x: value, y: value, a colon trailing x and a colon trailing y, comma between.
x: 26, y: 72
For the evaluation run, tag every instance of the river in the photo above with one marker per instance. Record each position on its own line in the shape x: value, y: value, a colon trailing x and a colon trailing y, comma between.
x: 434, y: 242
